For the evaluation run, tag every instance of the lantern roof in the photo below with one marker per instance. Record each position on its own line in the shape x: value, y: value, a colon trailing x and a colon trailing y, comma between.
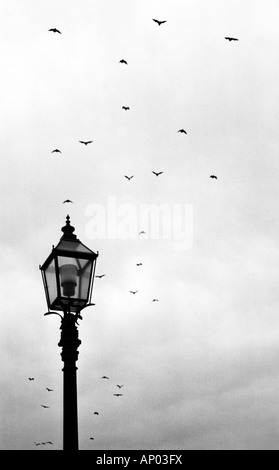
x: 69, y: 245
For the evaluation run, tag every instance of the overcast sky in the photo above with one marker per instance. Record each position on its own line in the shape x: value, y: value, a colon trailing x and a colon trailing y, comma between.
x: 199, y: 367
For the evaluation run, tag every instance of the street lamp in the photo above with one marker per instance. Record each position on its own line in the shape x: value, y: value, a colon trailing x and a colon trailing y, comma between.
x: 68, y: 275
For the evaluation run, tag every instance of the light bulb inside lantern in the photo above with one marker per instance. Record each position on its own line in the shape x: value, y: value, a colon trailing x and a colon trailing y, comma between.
x: 69, y: 274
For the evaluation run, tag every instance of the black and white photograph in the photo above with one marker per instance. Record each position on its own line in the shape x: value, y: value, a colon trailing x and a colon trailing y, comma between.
x: 139, y: 192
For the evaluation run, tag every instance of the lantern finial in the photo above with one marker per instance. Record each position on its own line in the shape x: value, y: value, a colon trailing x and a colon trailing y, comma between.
x: 68, y: 230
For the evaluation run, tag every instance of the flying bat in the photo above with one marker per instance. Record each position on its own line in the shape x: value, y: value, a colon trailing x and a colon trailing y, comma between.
x: 56, y: 151
x: 159, y: 22
x: 49, y: 442
x: 49, y: 389
x: 157, y: 174
x: 37, y: 444
x: 100, y: 276
x: 44, y: 406
x: 118, y: 394
x: 139, y: 264
x: 91, y: 438
x: 155, y: 300
x: 126, y: 108
x: 231, y: 39
x: 31, y: 378
x: 54, y: 30
x: 119, y: 386
x: 142, y: 232
x: 133, y: 291
x: 96, y: 413
x: 86, y: 142
x: 129, y: 177
x: 105, y: 377
x: 213, y: 177
x: 67, y: 200
x: 123, y: 61
x: 182, y: 131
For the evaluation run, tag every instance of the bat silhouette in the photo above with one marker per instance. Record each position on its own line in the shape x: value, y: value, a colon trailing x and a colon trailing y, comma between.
x: 49, y: 389
x: 213, y: 177
x: 96, y: 413
x: 126, y: 108
x: 49, y: 442
x: 37, y: 444
x: 67, y: 200
x: 123, y: 61
x: 155, y: 300
x: 86, y: 142
x: 100, y: 276
x: 105, y: 377
x: 159, y: 22
x: 231, y: 39
x: 182, y: 131
x: 142, y: 232
x: 56, y: 151
x: 44, y: 406
x: 31, y: 378
x: 139, y: 264
x: 157, y: 174
x: 129, y: 177
x: 118, y: 394
x: 133, y: 291
x: 119, y: 386
x: 91, y: 438
x: 54, y: 30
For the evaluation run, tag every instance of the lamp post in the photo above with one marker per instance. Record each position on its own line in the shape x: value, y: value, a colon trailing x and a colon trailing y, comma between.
x: 68, y: 275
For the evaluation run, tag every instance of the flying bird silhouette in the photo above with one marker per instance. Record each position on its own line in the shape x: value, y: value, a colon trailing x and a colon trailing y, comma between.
x: 118, y: 394
x: 54, y: 30
x: 44, y: 406
x: 231, y: 39
x: 67, y: 200
x: 182, y: 131
x: 123, y: 61
x: 31, y: 378
x: 133, y: 291
x: 157, y: 174
x: 105, y: 377
x: 213, y: 177
x: 142, y: 233
x: 159, y: 22
x: 126, y: 108
x: 86, y: 142
x: 129, y: 177
x: 91, y: 438
x: 100, y: 276
x: 49, y: 389
x: 37, y: 444
x: 155, y: 300
x: 56, y: 151
x: 119, y: 386
x: 96, y: 413
x: 139, y: 264
x: 49, y: 442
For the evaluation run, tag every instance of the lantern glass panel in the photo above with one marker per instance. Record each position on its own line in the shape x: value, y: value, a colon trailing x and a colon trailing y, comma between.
x: 84, y: 284
x: 74, y: 278
x: 50, y: 277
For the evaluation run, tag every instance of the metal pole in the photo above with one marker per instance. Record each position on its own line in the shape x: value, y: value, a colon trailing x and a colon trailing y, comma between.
x: 69, y: 343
